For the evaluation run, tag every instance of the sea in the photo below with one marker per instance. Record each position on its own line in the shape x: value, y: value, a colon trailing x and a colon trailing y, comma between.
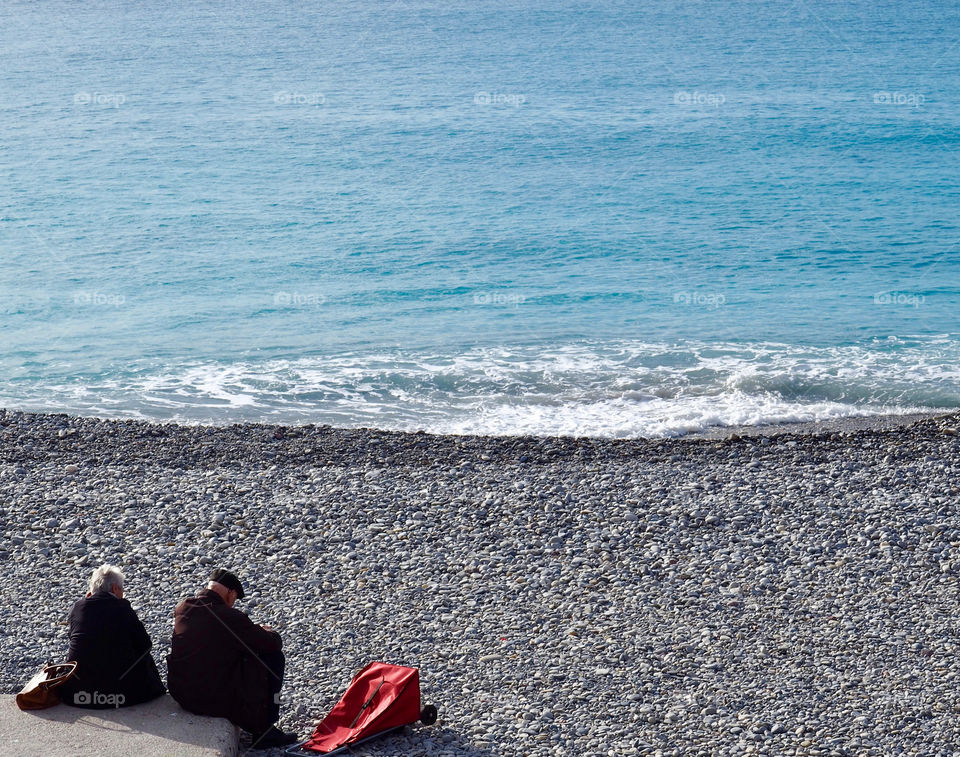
x: 609, y: 219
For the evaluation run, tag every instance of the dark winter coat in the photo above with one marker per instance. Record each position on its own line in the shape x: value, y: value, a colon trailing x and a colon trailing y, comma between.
x: 213, y: 667
x: 112, y: 651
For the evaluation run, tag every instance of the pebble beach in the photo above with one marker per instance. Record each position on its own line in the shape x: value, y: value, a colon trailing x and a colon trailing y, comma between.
x: 790, y: 593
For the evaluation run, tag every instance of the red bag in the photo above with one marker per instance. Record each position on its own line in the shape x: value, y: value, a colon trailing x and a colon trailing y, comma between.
x: 380, y: 698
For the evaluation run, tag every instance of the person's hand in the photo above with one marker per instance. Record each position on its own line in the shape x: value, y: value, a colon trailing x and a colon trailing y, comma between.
x: 266, y: 627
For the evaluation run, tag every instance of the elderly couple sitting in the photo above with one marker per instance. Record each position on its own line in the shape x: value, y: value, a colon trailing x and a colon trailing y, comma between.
x: 220, y: 664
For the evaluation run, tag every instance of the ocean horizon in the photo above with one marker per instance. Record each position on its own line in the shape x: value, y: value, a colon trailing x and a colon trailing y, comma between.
x: 609, y: 221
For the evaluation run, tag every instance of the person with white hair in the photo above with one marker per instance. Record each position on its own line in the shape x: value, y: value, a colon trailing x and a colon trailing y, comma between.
x: 111, y: 648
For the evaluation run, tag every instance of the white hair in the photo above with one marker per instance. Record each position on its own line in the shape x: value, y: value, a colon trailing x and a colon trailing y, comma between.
x: 106, y: 578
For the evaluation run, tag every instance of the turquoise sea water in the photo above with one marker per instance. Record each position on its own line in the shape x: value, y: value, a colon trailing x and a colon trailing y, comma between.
x: 616, y: 219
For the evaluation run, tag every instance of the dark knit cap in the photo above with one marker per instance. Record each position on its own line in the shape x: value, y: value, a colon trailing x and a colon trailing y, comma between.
x: 228, y: 579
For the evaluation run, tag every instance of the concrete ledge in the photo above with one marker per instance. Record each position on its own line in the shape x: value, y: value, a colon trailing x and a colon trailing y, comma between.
x: 156, y: 729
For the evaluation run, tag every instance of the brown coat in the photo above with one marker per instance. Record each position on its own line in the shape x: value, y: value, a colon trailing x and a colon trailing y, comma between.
x: 213, y: 668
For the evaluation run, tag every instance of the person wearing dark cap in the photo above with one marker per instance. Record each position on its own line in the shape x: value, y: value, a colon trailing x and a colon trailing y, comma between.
x: 224, y: 665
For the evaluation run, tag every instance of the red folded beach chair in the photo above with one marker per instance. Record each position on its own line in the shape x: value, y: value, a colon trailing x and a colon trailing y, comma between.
x: 380, y: 698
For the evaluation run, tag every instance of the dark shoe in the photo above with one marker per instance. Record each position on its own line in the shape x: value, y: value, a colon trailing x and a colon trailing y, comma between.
x: 271, y: 737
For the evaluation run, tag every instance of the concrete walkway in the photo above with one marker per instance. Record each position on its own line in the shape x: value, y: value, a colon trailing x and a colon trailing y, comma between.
x: 155, y: 729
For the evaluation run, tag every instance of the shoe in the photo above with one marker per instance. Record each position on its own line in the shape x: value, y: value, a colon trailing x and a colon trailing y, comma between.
x: 272, y: 737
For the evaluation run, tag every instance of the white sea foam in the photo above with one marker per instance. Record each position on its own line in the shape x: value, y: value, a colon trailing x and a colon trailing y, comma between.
x: 615, y: 389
